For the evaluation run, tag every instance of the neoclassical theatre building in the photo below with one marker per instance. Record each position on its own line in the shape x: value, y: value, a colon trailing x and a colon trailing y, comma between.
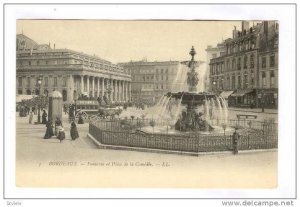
x: 69, y: 72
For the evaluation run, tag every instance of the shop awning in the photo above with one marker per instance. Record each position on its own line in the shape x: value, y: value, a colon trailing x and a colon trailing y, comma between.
x: 242, y: 92
x: 225, y: 94
x: 19, y: 98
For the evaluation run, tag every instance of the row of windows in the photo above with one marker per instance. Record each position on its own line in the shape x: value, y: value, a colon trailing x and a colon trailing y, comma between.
x: 162, y: 70
x: 149, y: 78
x: 236, y: 81
x: 271, y: 61
x: 151, y: 71
x: 241, y: 46
x: 147, y: 86
x: 238, y: 64
x: 65, y: 62
x: 45, y: 81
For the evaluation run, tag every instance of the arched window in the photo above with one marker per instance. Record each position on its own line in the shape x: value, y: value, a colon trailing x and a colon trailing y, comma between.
x: 264, y: 83
x: 251, y: 61
x: 228, y: 65
x: 272, y: 78
x: 64, y: 94
x: 245, y: 61
x: 28, y: 92
x: 239, y: 63
x: 46, y: 92
x: 233, y: 64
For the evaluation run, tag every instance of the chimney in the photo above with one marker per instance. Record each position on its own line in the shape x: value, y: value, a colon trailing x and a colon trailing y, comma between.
x: 245, y: 26
x: 234, y: 33
x: 54, y: 46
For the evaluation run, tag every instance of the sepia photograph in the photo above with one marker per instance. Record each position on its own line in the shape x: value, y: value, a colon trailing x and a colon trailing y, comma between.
x: 147, y: 103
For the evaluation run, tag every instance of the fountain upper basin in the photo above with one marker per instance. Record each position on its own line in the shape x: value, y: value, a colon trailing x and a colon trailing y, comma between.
x: 192, y: 98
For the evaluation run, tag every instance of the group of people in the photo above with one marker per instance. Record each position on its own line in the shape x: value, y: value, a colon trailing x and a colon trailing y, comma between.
x: 59, y: 130
x: 44, y: 116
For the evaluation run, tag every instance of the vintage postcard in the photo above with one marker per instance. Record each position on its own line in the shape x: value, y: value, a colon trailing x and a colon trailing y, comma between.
x: 147, y: 103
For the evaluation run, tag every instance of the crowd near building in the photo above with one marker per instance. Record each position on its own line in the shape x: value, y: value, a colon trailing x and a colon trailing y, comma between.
x: 245, y: 70
x: 150, y: 80
x: 42, y: 69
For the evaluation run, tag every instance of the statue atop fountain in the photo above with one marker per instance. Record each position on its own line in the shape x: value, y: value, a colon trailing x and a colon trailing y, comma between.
x: 192, y: 76
x: 191, y: 120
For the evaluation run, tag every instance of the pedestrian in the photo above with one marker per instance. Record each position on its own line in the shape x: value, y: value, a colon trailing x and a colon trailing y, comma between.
x: 26, y: 110
x: 44, y: 117
x: 61, y: 133
x: 57, y: 125
x: 73, y: 131
x: 235, y: 140
x: 65, y: 108
x: 30, y: 117
x: 80, y: 119
x: 49, y: 131
x: 71, y: 111
x: 33, y: 109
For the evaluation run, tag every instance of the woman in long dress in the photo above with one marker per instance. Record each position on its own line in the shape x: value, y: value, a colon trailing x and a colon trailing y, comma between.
x: 44, y: 117
x: 30, y: 117
x: 73, y: 131
x: 49, y: 131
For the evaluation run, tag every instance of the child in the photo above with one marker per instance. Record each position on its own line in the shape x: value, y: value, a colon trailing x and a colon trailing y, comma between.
x: 61, y: 133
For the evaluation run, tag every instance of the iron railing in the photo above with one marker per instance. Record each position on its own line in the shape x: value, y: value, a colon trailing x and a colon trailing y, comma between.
x: 112, y: 133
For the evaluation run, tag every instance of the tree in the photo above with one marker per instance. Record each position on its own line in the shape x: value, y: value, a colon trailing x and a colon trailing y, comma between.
x: 152, y: 124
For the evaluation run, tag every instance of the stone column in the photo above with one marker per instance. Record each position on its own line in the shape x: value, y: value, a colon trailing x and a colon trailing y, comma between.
x: 115, y: 90
x: 119, y: 97
x: 111, y: 92
x: 102, y: 87
x: 93, y: 86
x: 88, y: 85
x: 121, y: 90
x: 70, y: 88
x: 81, y: 84
x: 97, y: 78
x: 129, y: 83
x: 126, y: 91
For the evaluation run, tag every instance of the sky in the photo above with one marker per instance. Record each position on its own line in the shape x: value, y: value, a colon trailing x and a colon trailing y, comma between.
x: 123, y: 41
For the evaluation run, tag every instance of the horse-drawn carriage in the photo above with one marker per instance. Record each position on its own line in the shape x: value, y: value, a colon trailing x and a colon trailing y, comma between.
x: 92, y: 109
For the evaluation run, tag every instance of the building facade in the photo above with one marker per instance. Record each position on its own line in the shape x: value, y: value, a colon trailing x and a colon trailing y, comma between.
x: 72, y: 73
x: 212, y: 53
x: 151, y: 80
x: 247, y: 73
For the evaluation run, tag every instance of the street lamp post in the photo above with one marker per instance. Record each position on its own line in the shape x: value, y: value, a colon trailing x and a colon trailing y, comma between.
x: 262, y: 101
x: 39, y: 98
x: 214, y: 85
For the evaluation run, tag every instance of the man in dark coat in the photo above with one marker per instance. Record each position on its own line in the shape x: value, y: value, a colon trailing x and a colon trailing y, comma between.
x: 73, y: 131
x: 49, y: 131
x: 235, y: 140
x: 80, y: 119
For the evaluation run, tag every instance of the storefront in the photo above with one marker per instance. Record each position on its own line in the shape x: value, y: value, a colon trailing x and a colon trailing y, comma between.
x: 267, y: 98
x: 242, y: 98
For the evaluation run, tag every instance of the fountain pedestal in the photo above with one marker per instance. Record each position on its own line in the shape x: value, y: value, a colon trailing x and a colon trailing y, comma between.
x: 191, y: 120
